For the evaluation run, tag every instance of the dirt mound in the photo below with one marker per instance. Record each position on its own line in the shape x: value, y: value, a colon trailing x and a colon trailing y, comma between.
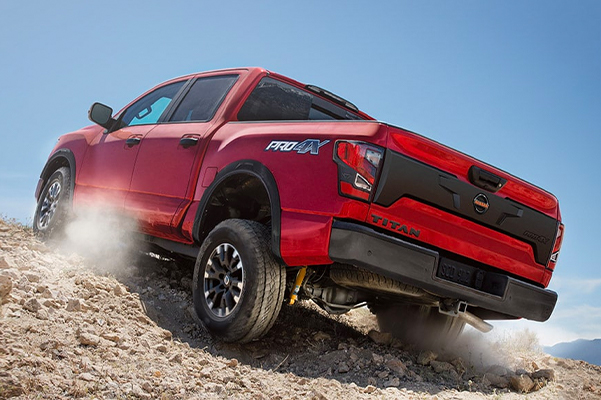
x: 75, y: 327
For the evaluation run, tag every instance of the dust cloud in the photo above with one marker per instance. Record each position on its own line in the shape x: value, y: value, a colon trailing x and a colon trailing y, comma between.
x: 104, y: 238
x: 483, y: 350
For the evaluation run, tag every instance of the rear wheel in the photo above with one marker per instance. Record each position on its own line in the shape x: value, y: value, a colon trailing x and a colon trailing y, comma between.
x: 53, y: 205
x: 238, y: 285
x: 423, y: 326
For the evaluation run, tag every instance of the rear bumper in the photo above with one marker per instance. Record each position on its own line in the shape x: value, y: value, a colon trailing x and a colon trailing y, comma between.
x: 390, y: 256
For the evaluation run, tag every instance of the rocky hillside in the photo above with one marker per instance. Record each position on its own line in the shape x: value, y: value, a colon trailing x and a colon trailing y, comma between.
x: 94, y: 317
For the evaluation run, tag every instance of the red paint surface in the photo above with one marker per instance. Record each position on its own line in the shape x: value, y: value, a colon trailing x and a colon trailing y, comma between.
x: 457, y: 235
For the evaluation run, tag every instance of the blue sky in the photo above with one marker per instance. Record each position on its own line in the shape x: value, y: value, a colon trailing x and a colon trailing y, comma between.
x: 516, y: 84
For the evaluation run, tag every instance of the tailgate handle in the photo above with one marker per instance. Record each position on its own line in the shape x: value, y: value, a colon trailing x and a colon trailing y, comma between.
x: 485, y: 180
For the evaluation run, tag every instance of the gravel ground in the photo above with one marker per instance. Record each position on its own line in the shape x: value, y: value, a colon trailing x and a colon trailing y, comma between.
x: 94, y: 317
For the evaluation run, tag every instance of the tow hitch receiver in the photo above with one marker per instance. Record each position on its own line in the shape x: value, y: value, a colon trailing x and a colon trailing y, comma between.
x: 458, y: 308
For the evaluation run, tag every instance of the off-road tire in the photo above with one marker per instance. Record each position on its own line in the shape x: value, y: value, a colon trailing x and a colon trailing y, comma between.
x: 263, y: 281
x: 54, y: 205
x: 422, y: 326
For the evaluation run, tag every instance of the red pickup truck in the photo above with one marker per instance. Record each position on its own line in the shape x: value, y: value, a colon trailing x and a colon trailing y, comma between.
x: 282, y: 190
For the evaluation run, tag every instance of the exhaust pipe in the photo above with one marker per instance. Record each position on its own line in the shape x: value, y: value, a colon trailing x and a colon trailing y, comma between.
x: 476, y: 322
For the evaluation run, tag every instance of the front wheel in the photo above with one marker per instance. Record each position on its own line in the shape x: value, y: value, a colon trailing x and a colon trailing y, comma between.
x: 54, y: 204
x: 238, y: 285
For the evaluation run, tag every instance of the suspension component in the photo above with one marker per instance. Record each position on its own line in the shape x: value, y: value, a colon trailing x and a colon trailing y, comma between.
x: 300, y: 277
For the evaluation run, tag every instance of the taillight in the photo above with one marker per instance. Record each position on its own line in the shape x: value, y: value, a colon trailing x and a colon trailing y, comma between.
x: 358, y: 167
x: 556, y: 246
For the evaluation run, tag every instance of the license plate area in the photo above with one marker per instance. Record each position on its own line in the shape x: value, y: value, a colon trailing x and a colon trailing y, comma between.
x: 472, y: 277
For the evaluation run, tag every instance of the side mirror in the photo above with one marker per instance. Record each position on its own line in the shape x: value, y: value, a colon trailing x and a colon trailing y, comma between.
x: 102, y: 115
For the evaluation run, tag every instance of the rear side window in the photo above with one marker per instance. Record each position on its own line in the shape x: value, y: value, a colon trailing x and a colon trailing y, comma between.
x: 273, y: 100
x: 204, y: 98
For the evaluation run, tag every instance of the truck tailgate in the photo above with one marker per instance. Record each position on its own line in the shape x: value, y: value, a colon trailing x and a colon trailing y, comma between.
x: 425, y: 185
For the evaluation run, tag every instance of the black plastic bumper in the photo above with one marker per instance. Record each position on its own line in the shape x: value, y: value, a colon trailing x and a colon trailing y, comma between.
x: 390, y: 256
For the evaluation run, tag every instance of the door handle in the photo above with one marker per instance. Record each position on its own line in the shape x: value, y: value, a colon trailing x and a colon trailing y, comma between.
x: 132, y: 141
x: 188, y: 141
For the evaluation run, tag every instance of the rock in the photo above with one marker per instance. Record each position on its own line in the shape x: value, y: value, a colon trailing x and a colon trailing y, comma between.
x: 377, y: 359
x: 88, y: 339
x: 316, y: 395
x: 521, y: 371
x: 445, y: 369
x: 498, y: 370
x: 176, y: 358
x: 48, y: 294
x: 441, y: 366
x: 392, y: 382
x: 6, y: 285
x: 547, y: 374
x: 343, y: 368
x: 490, y: 379
x: 369, y: 389
x: 74, y: 305
x: 86, y: 376
x: 415, y: 377
x: 383, y: 374
x: 334, y: 357
x: 397, y: 366
x: 134, y: 390
x: 425, y: 357
x: 459, y: 366
x: 214, y: 387
x: 384, y: 338
x: 113, y: 337
x: 51, y: 304
x: 10, y: 386
x: 233, y: 363
x: 521, y: 383
x: 42, y: 314
x: 161, y: 347
x: 118, y: 290
x: 32, y: 305
x: 34, y: 278
x: 50, y: 345
x: 147, y: 387
x: 167, y: 335
x: 6, y: 263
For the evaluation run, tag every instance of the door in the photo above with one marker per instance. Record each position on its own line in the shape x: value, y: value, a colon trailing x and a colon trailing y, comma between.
x: 105, y: 174
x: 168, y: 163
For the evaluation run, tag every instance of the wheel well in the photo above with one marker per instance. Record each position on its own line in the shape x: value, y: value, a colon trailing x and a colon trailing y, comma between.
x: 241, y: 196
x: 54, y: 164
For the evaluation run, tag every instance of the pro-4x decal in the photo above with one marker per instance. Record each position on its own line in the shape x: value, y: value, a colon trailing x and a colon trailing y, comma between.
x: 308, y: 146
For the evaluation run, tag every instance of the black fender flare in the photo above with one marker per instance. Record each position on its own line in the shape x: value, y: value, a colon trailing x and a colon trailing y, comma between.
x: 246, y: 167
x: 50, y: 167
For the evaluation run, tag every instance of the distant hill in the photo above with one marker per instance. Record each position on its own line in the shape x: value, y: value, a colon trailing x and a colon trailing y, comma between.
x: 586, y: 350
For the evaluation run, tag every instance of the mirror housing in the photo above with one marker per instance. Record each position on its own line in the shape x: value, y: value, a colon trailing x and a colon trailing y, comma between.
x: 102, y: 115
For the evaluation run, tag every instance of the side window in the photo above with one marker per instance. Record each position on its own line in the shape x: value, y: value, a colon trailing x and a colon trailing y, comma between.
x: 148, y: 109
x: 274, y: 100
x: 204, y: 98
